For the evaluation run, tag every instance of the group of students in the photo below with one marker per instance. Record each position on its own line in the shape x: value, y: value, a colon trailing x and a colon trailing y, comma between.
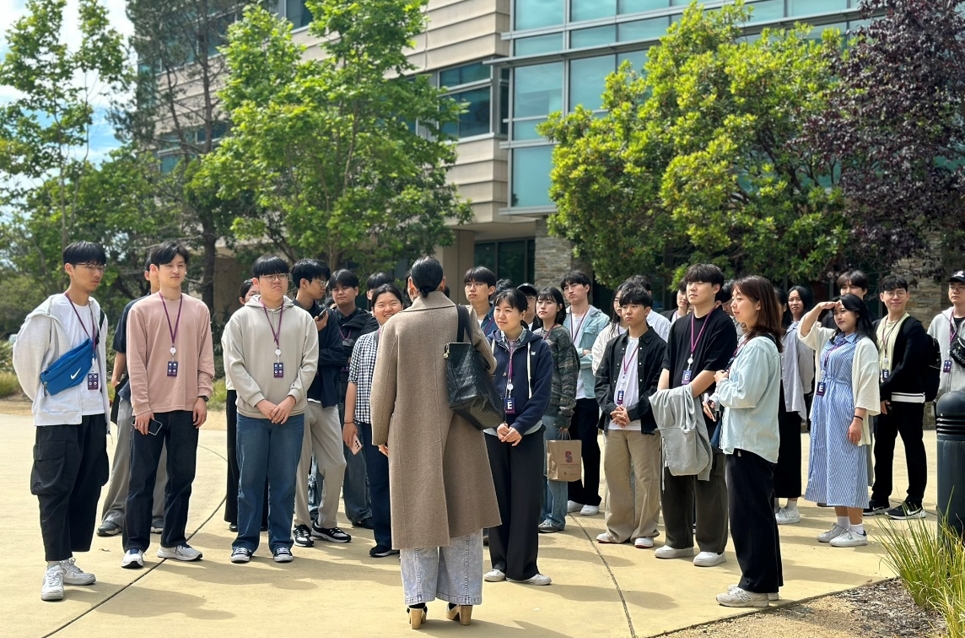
x: 701, y: 410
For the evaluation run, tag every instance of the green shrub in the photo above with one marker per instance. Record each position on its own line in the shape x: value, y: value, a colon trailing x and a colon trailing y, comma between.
x: 931, y: 564
x: 219, y: 395
x: 9, y: 386
x: 6, y: 356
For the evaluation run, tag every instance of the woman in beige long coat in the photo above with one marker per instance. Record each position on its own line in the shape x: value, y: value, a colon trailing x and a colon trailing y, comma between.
x: 440, y: 485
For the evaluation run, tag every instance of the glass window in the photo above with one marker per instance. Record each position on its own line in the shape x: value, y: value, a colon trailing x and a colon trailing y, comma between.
x: 593, y: 37
x: 811, y: 7
x: 464, y: 74
x: 539, y: 44
x: 767, y: 11
x: 636, y: 6
x: 642, y: 29
x: 475, y: 120
x: 591, y: 9
x: 538, y: 89
x: 486, y: 255
x: 297, y: 13
x: 526, y: 130
x: 169, y: 162
x: 637, y: 58
x: 503, y: 108
x: 513, y: 260
x: 531, y: 176
x: 531, y: 14
x: 588, y: 80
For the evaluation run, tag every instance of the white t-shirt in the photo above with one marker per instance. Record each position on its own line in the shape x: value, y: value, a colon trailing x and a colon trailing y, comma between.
x: 90, y: 401
x: 628, y: 383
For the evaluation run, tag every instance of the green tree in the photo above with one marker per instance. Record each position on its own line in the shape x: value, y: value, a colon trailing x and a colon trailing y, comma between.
x: 330, y: 145
x: 45, y: 131
x: 697, y: 159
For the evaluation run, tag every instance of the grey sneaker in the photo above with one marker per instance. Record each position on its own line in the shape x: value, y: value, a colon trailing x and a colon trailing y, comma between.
x: 787, y: 517
x: 240, y: 555
x: 53, y: 587
x: 737, y: 597
x: 157, y: 525
x: 181, y: 552
x: 835, y: 531
x: 109, y: 528
x: 74, y: 575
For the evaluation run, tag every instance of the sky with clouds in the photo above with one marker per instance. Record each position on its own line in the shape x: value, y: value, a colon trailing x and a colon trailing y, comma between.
x: 102, y: 135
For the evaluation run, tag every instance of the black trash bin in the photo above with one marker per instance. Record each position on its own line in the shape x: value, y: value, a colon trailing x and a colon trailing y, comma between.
x: 950, y: 427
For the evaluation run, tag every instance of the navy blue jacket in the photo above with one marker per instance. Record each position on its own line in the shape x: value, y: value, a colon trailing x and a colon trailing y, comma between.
x: 331, y: 358
x: 529, y: 408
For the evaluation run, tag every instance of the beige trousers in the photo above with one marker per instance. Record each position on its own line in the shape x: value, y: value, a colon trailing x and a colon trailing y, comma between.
x: 323, y: 438
x: 631, y: 463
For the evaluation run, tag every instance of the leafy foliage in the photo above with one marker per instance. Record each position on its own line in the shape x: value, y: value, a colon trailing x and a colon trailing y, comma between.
x: 895, y: 123
x: 327, y: 143
x: 697, y: 159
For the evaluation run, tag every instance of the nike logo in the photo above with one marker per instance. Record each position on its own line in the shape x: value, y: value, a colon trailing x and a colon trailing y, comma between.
x: 74, y: 376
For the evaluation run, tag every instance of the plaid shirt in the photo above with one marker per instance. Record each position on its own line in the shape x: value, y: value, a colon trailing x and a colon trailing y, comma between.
x: 360, y: 373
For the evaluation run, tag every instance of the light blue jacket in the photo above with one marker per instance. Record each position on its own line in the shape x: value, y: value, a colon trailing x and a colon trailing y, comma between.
x: 593, y: 324
x: 751, y: 396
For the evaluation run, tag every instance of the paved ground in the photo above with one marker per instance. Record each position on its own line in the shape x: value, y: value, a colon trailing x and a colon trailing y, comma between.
x: 338, y: 590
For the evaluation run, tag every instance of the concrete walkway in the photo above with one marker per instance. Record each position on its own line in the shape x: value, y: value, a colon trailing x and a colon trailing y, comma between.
x: 337, y: 590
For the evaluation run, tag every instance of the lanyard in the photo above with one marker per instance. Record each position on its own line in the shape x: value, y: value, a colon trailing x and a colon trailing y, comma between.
x: 827, y: 354
x: 509, y: 370
x: 695, y: 342
x: 626, y: 363
x: 177, y: 322
x: 740, y: 346
x: 579, y: 326
x: 275, y: 335
x: 93, y: 324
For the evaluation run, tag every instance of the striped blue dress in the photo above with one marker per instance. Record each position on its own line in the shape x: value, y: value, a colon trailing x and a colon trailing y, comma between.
x: 838, y: 472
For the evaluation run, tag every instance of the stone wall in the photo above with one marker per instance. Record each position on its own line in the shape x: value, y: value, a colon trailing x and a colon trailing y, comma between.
x: 554, y: 258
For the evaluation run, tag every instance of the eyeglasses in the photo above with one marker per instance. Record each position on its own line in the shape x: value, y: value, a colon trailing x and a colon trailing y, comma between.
x: 98, y: 267
x: 282, y: 277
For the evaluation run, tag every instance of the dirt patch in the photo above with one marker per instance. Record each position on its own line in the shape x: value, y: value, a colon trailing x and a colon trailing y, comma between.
x: 879, y: 610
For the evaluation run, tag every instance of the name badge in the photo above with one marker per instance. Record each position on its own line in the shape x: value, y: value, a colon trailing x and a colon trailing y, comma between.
x: 172, y: 368
x: 94, y: 381
x: 885, y: 374
x: 686, y: 378
x: 822, y: 388
x: 509, y: 405
x: 278, y: 369
x: 619, y: 397
x: 947, y: 366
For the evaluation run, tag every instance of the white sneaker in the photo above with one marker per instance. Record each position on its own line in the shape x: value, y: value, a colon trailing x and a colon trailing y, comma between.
x: 133, y: 559
x: 494, y: 576
x: 737, y: 597
x: 605, y: 538
x: 850, y: 539
x: 538, y: 579
x: 53, y: 587
x: 74, y: 575
x: 709, y: 559
x: 181, y: 552
x: 573, y: 507
x: 787, y: 517
x: 643, y: 542
x: 671, y: 552
x: 835, y: 531
x: 772, y: 596
x: 590, y: 510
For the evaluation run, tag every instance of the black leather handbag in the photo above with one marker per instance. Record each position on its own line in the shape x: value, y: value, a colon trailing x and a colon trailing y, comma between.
x: 472, y: 394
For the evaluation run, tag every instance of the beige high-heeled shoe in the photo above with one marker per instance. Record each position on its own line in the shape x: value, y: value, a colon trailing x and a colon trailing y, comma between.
x: 462, y: 613
x: 417, y: 616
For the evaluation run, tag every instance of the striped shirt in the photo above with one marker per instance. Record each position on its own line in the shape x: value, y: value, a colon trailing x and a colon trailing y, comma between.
x: 360, y: 373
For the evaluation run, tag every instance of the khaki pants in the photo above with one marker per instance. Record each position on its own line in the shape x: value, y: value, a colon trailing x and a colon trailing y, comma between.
x: 631, y: 462
x: 323, y: 438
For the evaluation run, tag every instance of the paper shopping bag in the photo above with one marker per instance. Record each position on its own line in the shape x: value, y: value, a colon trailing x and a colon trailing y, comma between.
x: 563, y: 461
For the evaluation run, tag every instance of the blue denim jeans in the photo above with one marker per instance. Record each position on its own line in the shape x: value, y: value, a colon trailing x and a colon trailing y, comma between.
x: 271, y: 450
x: 554, y: 492
x: 377, y: 466
x: 453, y: 574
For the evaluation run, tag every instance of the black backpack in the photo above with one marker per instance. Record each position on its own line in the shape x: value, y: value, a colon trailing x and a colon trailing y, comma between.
x: 933, y: 370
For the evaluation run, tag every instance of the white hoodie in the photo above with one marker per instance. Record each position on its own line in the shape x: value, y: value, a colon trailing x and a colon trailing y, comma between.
x: 42, y: 340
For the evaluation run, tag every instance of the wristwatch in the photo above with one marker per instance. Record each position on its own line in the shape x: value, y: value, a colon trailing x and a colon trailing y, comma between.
x: 205, y: 399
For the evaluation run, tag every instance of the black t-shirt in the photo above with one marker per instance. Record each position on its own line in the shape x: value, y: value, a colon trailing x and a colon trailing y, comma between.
x: 713, y: 351
x: 120, y: 344
x: 958, y: 324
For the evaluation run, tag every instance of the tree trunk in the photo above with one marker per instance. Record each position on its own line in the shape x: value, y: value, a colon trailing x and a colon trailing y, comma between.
x: 210, y: 252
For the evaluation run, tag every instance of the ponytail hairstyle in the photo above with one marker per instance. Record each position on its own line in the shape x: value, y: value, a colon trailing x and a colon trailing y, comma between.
x: 760, y: 290
x: 426, y: 275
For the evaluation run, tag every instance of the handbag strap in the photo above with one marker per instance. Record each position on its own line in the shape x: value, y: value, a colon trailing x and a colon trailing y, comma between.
x: 463, y: 323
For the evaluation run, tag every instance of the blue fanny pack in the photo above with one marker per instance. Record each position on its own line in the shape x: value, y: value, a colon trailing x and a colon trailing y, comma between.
x: 69, y: 370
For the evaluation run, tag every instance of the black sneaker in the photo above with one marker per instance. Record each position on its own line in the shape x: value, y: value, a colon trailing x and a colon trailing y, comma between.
x: 906, y: 511
x: 365, y: 523
x: 109, y: 528
x: 303, y: 536
x: 876, y: 509
x: 332, y: 534
x: 381, y: 551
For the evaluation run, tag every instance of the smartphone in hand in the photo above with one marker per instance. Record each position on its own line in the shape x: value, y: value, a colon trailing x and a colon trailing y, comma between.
x: 356, y: 445
x: 153, y: 427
